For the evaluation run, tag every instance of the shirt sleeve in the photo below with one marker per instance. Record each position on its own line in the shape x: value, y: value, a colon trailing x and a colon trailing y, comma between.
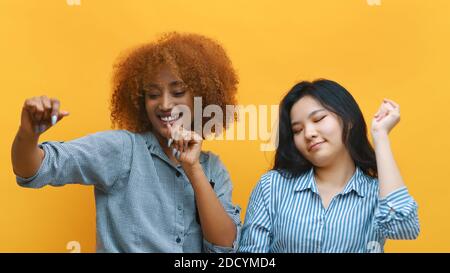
x: 396, y: 216
x: 256, y: 232
x: 223, y: 188
x: 98, y: 159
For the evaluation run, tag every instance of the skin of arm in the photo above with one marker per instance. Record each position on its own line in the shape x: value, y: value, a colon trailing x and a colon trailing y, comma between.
x: 216, y: 224
x: 384, y: 120
x: 26, y: 156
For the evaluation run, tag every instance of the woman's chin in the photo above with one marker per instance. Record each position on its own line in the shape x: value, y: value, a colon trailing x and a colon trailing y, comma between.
x: 320, y: 161
x: 161, y: 131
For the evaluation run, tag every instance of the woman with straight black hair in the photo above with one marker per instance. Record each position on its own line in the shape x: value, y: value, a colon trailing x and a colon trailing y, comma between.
x: 329, y: 190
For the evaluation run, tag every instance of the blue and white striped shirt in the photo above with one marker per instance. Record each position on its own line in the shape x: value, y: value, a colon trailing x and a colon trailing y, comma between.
x: 287, y: 215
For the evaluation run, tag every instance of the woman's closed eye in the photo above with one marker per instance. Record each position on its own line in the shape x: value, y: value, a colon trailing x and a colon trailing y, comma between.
x: 178, y: 93
x: 320, y: 118
x: 297, y: 131
x: 152, y: 95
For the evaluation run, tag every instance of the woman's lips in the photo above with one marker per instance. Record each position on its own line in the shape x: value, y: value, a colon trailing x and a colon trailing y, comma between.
x: 315, y: 146
x: 169, y: 119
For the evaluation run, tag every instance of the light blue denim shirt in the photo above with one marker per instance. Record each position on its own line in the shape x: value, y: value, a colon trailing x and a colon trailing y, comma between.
x: 144, y: 202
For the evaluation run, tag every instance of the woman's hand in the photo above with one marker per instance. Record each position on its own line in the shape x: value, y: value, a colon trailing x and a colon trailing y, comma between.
x: 39, y: 114
x: 386, y: 118
x: 186, y: 146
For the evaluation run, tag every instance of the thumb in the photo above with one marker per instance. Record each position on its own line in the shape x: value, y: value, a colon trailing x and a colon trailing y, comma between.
x: 60, y: 116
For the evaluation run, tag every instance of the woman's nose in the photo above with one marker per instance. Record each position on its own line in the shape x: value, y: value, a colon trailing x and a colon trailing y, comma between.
x: 166, y: 102
x: 310, y: 132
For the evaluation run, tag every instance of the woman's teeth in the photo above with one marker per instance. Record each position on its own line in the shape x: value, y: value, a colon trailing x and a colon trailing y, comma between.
x: 170, y: 118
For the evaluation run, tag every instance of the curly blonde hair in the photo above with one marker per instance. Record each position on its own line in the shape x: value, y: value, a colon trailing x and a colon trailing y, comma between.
x: 200, y: 61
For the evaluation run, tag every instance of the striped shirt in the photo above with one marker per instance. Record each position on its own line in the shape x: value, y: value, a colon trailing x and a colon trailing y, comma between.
x: 287, y: 215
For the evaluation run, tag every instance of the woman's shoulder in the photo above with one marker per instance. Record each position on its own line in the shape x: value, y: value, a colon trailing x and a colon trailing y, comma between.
x: 274, y: 184
x: 367, y: 183
x: 108, y: 140
x: 274, y: 178
x: 110, y: 137
x: 279, y: 176
x: 115, y: 133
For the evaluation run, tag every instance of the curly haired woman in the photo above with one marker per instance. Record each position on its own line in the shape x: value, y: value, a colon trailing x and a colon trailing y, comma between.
x: 155, y: 190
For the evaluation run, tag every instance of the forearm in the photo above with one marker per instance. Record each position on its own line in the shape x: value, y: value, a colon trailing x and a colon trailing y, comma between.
x: 389, y: 175
x: 217, y: 226
x: 26, y: 156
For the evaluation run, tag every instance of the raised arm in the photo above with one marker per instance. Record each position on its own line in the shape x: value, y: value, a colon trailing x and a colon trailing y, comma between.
x: 384, y: 120
x: 397, y: 211
x: 38, y: 115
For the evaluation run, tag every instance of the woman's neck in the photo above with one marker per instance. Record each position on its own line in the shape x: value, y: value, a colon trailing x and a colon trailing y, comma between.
x: 337, y: 174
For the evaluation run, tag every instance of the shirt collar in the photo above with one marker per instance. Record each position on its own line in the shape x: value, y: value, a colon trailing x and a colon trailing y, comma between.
x: 355, y: 184
x: 307, y: 181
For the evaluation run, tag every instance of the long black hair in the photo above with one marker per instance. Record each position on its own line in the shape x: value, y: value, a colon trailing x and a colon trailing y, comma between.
x: 335, y: 98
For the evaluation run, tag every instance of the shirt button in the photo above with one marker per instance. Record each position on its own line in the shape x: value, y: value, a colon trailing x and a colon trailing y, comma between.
x: 178, y: 174
x: 178, y: 240
x: 179, y: 207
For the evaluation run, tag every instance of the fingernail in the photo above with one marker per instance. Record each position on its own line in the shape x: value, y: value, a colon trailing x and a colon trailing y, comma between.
x: 178, y: 155
x: 174, y: 151
x: 169, y: 142
x: 54, y: 119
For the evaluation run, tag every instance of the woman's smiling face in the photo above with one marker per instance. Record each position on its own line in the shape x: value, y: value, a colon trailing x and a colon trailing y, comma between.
x: 165, y: 96
x: 317, y: 132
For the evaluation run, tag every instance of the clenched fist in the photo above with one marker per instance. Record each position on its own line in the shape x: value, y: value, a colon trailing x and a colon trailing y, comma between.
x: 39, y: 114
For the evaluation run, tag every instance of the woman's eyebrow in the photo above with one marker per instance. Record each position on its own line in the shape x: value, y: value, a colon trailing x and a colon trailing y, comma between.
x: 315, y: 111
x: 157, y: 86
x: 310, y: 115
x: 152, y: 85
x: 176, y: 83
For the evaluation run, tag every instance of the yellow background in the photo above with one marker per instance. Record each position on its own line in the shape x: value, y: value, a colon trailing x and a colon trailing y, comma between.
x: 398, y: 50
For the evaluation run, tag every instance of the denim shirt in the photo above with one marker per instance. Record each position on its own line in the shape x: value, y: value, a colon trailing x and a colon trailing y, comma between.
x: 144, y: 203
